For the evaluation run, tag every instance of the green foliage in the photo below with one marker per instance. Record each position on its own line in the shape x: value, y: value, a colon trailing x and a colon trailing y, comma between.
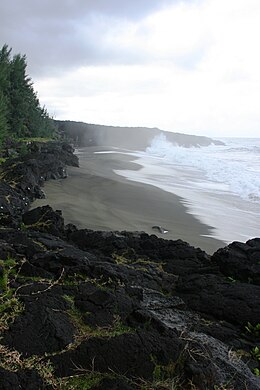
x: 35, y: 139
x: 12, y: 360
x: 85, y: 331
x: 3, y: 279
x: 20, y: 112
x: 85, y: 381
x: 23, y: 150
x: 2, y: 160
x: 163, y: 373
x: 7, y: 267
x: 255, y: 352
x: 4, y: 127
x: 231, y: 279
x: 10, y: 306
x: 253, y: 329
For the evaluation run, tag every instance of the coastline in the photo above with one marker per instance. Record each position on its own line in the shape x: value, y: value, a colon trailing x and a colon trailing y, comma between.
x: 84, y: 296
x: 95, y: 197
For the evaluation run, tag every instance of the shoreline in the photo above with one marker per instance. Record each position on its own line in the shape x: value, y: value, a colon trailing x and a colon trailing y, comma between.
x: 95, y: 197
x: 241, y: 216
x: 118, y: 300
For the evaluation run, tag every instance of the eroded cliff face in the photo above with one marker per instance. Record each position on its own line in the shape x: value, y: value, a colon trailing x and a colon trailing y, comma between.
x: 82, y: 309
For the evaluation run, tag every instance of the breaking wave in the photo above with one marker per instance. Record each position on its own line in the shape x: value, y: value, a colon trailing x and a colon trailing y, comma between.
x: 237, y: 164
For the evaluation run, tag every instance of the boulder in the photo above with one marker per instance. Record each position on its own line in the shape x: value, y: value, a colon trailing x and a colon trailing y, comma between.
x: 240, y: 261
x: 21, y: 380
x: 43, y: 326
x: 44, y: 219
x: 237, y: 303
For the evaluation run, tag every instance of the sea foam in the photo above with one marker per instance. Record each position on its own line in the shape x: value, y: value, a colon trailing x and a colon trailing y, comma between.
x: 237, y: 164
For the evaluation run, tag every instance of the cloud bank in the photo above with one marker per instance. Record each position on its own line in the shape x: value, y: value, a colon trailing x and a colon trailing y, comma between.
x: 190, y: 66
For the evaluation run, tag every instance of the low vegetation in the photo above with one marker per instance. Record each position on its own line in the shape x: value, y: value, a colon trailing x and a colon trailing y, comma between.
x: 10, y: 306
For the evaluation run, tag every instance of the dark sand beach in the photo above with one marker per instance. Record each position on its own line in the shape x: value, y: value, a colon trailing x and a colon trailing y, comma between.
x: 94, y: 197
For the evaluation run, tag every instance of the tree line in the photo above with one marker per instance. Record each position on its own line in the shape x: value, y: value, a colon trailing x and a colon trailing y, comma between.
x: 21, y: 115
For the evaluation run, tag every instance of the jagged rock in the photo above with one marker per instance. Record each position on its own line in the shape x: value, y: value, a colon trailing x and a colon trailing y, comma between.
x: 44, y: 219
x: 61, y: 150
x: 12, y: 205
x: 210, y: 361
x: 20, y: 242
x: 205, y: 360
x: 30, y: 271
x: 224, y: 331
x: 237, y: 303
x: 68, y: 260
x: 177, y: 257
x: 240, y: 261
x: 22, y: 178
x: 6, y: 250
x: 21, y: 380
x: 43, y: 326
x: 131, y: 354
x: 103, y: 305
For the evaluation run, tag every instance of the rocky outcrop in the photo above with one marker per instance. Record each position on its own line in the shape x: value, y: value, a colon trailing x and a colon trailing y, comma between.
x: 21, y: 178
x: 240, y: 261
x: 117, y: 310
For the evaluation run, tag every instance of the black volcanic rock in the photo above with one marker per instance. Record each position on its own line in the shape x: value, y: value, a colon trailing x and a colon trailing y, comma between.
x: 178, y: 256
x: 44, y: 324
x: 102, y: 305
x: 12, y: 205
x: 44, y: 219
x: 22, y: 178
x: 215, y: 296
x: 131, y: 354
x: 240, y: 261
x: 21, y: 380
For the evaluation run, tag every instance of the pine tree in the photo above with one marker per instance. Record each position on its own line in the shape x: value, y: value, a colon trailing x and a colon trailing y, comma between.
x: 5, y: 68
x: 4, y: 91
x: 3, y: 118
x: 20, y: 110
x: 18, y: 96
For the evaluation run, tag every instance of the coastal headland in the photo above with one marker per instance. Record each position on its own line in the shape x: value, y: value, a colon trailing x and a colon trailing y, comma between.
x: 107, y: 310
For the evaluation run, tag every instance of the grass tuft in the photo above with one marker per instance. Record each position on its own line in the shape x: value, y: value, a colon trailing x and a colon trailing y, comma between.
x: 85, y: 331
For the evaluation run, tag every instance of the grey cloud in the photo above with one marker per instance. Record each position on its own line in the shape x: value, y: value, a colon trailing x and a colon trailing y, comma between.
x: 61, y: 35
x: 130, y: 9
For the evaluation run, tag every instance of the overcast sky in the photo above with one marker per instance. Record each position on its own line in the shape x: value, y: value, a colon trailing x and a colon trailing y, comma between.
x: 189, y: 66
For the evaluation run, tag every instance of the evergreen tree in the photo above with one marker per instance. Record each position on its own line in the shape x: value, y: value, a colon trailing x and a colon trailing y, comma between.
x: 18, y: 96
x: 20, y: 110
x: 3, y: 118
x: 4, y: 90
x: 5, y: 70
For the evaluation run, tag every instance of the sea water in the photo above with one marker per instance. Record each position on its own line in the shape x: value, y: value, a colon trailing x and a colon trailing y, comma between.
x: 220, y: 185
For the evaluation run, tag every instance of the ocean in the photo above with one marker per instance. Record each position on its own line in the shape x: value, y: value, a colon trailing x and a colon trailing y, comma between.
x: 220, y: 185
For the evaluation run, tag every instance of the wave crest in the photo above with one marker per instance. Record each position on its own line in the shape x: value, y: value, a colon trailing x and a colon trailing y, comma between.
x: 236, y: 167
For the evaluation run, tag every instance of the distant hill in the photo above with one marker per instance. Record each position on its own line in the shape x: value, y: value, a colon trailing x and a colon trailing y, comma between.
x: 136, y: 138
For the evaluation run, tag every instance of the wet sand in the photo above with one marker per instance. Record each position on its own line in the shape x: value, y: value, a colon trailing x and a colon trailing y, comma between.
x: 94, y: 197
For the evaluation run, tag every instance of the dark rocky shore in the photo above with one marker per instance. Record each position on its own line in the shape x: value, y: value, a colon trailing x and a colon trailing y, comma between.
x: 82, y: 309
